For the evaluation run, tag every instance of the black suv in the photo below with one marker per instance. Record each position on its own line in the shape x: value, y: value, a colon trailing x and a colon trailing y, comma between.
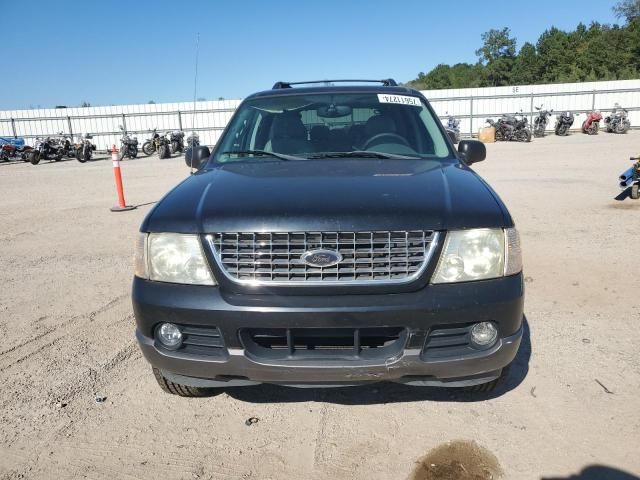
x: 333, y: 237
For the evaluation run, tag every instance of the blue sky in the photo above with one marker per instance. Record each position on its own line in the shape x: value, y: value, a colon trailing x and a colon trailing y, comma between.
x: 116, y: 52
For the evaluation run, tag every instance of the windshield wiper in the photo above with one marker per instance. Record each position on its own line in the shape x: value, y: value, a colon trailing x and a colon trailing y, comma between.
x: 362, y: 154
x: 281, y: 156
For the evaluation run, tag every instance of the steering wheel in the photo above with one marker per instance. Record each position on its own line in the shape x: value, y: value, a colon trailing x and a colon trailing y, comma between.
x: 391, y: 136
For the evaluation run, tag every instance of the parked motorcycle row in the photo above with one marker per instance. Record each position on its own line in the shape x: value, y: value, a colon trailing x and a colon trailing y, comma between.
x: 57, y: 147
x: 515, y: 126
x: 164, y: 145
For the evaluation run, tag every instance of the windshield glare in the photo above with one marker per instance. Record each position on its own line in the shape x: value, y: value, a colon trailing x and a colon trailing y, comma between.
x: 308, y: 126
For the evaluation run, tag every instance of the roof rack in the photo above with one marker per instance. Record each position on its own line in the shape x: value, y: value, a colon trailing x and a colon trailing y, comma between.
x: 388, y: 82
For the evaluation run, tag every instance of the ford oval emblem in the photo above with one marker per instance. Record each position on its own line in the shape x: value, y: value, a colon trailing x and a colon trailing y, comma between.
x: 321, y: 258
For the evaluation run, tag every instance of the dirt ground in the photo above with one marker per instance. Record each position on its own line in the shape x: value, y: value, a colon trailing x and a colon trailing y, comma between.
x: 569, y: 410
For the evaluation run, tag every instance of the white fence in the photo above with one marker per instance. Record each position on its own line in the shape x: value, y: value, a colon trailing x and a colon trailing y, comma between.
x: 471, y: 105
x: 474, y: 105
x: 208, y: 119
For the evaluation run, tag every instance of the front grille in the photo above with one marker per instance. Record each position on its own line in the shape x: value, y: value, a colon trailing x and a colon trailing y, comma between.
x: 324, y: 343
x: 272, y: 258
x: 448, y: 340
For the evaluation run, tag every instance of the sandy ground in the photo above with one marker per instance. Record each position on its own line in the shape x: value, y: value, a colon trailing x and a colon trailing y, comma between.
x: 66, y: 335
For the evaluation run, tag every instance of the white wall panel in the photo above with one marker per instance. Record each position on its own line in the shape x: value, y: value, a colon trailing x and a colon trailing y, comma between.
x: 213, y: 115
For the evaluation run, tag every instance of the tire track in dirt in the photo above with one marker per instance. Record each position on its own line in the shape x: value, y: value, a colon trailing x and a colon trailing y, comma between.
x: 25, y: 350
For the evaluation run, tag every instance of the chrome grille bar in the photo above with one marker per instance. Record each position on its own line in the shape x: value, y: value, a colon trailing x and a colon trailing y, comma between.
x: 273, y: 258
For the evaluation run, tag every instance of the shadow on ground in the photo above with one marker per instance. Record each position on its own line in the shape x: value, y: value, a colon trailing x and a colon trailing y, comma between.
x: 378, y: 393
x: 597, y: 472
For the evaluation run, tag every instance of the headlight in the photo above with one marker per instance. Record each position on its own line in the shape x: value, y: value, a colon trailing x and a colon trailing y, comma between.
x: 172, y: 257
x: 479, y: 254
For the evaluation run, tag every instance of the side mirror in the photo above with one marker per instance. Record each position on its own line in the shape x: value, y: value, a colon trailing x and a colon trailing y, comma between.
x: 195, y: 157
x: 472, y: 151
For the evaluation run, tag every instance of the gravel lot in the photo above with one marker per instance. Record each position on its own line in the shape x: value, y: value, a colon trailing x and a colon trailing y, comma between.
x: 570, y: 407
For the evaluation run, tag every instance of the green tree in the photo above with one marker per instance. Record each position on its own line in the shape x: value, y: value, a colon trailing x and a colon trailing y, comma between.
x: 526, y: 67
x: 588, y: 53
x: 627, y: 9
x: 497, y: 54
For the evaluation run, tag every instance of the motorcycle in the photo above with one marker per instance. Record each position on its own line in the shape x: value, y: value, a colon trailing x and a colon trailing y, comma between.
x: 11, y: 148
x: 68, y: 148
x: 592, y: 123
x: 49, y: 148
x: 618, y: 121
x: 540, y: 123
x: 176, y: 139
x: 193, y: 140
x: 564, y: 121
x: 510, y: 127
x: 85, y: 149
x: 453, y: 128
x: 630, y: 180
x: 157, y: 143
x: 128, y: 145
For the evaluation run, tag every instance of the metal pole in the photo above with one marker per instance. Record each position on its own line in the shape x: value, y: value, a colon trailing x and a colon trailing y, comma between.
x: 124, y: 123
x: 13, y: 127
x: 531, y: 111
x: 593, y: 101
x: 471, y: 117
x: 180, y: 120
x: 70, y: 129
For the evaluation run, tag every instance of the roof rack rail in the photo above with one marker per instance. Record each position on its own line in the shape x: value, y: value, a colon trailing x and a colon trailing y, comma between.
x: 387, y: 82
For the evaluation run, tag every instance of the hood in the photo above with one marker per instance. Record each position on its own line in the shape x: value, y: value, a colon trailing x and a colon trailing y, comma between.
x: 329, y: 195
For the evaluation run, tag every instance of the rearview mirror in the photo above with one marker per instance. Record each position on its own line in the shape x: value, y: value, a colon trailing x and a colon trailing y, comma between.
x: 472, y: 151
x: 196, y: 157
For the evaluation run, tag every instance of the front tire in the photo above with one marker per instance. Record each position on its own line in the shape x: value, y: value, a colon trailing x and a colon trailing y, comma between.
x: 523, y: 135
x: 499, y: 136
x: 621, y: 128
x: 181, y: 390
x: 164, y: 151
x: 635, y: 191
x: 34, y: 158
x: 561, y: 130
x: 133, y: 152
x: 176, y: 147
x: 148, y: 148
x: 489, y: 386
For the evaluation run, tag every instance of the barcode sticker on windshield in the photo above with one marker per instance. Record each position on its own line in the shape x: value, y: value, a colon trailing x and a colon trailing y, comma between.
x: 400, y: 99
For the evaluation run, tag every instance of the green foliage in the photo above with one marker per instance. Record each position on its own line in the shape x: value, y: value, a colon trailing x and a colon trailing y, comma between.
x: 628, y: 9
x: 588, y: 53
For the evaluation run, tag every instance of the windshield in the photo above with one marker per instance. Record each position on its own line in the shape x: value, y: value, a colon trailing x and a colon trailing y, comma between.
x: 332, y: 125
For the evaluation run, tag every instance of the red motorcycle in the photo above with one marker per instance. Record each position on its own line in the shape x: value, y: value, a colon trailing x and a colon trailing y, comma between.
x: 591, y: 125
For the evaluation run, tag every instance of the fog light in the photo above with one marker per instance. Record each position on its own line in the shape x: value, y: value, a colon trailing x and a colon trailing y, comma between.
x: 169, y: 335
x: 484, y: 334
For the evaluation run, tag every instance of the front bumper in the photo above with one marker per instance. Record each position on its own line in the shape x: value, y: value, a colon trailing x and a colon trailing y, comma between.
x: 499, y: 301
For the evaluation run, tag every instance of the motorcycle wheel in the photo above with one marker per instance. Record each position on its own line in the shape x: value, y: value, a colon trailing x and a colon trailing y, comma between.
x: 148, y: 148
x: 523, y: 135
x: 176, y: 147
x: 621, y: 128
x: 133, y: 152
x: 164, y: 152
x: 34, y: 158
x: 499, y: 136
x: 593, y: 129
x: 79, y: 156
x: 635, y: 191
x: 561, y: 130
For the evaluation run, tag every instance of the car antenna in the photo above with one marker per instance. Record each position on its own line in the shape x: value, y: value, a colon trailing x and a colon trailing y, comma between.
x: 195, y: 90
